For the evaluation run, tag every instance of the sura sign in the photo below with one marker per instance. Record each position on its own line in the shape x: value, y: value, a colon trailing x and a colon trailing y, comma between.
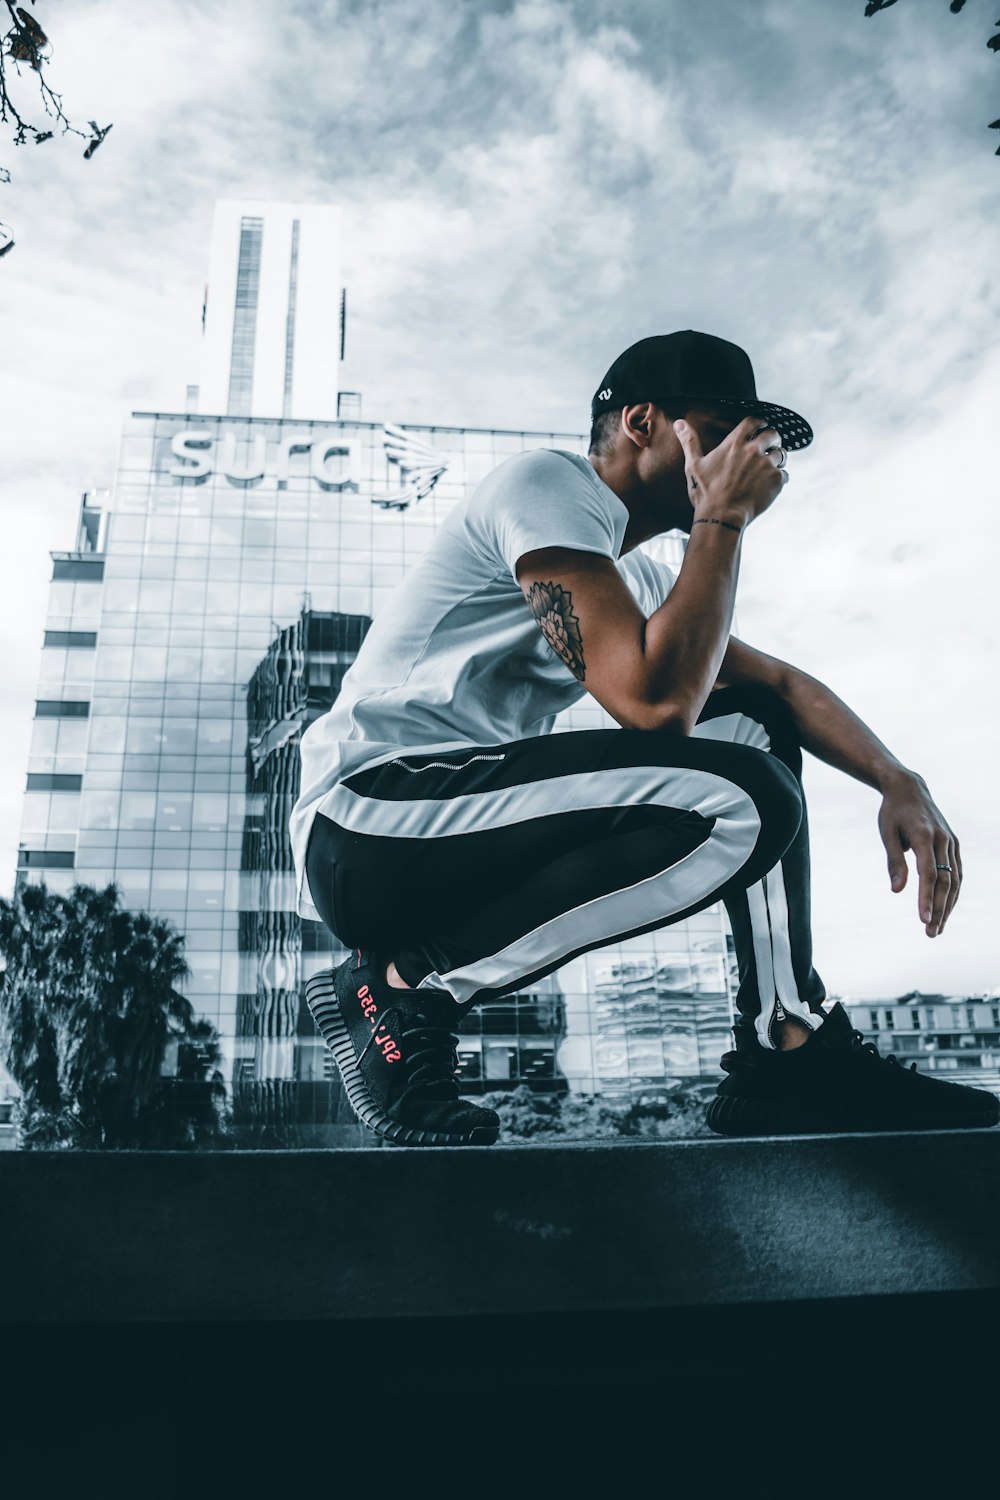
x: 332, y: 460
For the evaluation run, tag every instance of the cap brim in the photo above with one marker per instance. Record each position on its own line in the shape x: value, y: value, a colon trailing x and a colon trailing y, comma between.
x: 795, y: 430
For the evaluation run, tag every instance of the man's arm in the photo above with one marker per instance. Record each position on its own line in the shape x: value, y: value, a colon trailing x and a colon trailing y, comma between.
x: 828, y: 729
x: 658, y: 673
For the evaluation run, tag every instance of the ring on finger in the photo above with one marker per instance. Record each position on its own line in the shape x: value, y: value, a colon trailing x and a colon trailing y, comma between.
x: 779, y: 462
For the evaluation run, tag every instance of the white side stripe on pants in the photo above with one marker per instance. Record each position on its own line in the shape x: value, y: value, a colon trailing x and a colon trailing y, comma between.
x: 652, y: 900
x: 768, y: 904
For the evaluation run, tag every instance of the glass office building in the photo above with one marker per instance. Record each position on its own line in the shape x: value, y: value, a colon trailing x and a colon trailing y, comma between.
x: 206, y: 615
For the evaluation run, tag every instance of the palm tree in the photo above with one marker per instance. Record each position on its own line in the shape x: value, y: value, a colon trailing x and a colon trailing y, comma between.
x: 32, y: 934
x: 87, y: 1007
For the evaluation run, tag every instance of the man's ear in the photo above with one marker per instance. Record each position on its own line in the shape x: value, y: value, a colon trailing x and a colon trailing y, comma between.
x: 637, y: 423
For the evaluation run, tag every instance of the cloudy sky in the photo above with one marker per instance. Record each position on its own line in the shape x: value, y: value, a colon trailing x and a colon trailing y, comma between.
x: 528, y: 188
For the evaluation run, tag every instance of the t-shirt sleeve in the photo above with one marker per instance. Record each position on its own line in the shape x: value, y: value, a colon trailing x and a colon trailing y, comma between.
x: 545, y: 500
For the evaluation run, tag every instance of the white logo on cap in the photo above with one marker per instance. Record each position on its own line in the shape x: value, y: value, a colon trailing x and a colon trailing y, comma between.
x: 604, y: 395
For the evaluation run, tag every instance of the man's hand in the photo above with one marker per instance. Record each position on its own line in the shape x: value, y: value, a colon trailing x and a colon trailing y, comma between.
x: 908, y: 819
x: 738, y: 480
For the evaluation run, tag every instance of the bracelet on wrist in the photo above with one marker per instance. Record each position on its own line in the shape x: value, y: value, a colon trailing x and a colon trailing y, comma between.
x: 714, y: 521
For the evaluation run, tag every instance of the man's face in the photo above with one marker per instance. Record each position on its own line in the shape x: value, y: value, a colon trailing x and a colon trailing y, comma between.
x: 712, y: 424
x: 665, y: 459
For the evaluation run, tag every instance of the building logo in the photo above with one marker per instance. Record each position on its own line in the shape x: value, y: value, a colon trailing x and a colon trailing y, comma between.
x: 330, y: 459
x: 420, y: 467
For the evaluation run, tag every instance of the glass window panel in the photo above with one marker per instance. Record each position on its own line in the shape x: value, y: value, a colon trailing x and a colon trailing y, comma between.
x: 52, y: 669
x: 179, y: 736
x: 173, y: 839
x: 144, y: 736
x: 210, y: 812
x: 220, y: 598
x: 215, y: 735
x: 114, y: 663
x: 162, y: 528
x: 35, y: 812
x: 188, y: 568
x: 134, y: 850
x: 206, y: 888
x: 72, y: 738
x: 287, y: 601
x: 181, y: 704
x: 183, y: 665
x: 87, y: 599
x: 138, y: 810
x: 61, y: 597
x: 136, y: 453
x: 79, y: 672
x: 225, y: 531
x: 150, y: 663
x: 176, y: 781
x: 168, y: 887
x: 324, y: 535
x: 292, y: 533
x: 101, y: 780
x: 176, y: 762
x: 64, y: 814
x: 99, y: 810
x: 254, y: 598
x: 189, y: 599
x: 122, y: 566
x: 173, y: 812
x: 128, y: 528
x: 258, y: 532
x: 218, y: 664
x: 44, y: 734
x: 99, y: 839
x: 155, y: 597
x: 134, y: 886
x: 61, y: 882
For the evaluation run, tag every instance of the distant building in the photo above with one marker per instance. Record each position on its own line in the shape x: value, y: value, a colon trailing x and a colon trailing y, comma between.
x: 943, y: 1034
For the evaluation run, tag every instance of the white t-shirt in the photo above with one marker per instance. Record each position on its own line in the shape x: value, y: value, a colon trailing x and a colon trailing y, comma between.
x: 456, y: 658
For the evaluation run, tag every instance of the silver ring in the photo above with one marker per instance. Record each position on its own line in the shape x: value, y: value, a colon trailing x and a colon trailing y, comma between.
x: 781, y: 461
x: 943, y: 867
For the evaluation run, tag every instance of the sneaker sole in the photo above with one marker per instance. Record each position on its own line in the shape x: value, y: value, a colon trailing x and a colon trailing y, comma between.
x: 727, y: 1115
x: 324, y: 1007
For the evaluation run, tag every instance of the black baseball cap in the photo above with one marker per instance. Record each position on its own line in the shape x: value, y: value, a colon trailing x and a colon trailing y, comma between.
x: 697, y: 367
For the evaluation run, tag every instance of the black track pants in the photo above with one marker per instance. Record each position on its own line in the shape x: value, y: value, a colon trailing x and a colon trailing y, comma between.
x: 479, y: 871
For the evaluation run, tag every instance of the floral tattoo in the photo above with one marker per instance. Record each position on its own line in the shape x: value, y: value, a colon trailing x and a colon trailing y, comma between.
x: 552, y: 607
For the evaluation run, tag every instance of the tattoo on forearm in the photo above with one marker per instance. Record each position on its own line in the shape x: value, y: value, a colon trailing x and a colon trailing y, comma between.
x: 552, y: 607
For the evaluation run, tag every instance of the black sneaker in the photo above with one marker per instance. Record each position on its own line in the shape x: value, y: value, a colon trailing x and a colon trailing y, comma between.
x: 397, y: 1054
x: 836, y: 1081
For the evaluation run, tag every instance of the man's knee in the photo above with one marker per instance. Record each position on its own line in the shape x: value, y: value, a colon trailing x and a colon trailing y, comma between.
x: 780, y: 804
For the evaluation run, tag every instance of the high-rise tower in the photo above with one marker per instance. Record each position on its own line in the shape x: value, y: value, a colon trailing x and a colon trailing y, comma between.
x: 273, y: 328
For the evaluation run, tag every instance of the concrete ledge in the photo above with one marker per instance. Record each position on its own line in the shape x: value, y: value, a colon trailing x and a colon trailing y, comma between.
x: 737, y: 1314
x: 508, y: 1232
